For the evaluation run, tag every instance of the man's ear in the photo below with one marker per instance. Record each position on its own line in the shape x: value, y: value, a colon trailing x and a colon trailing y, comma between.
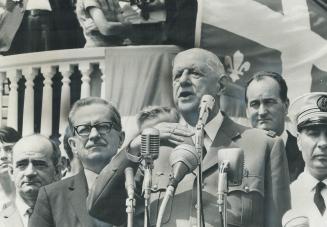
x: 73, y: 144
x: 221, y: 85
x: 287, y: 104
x: 121, y: 138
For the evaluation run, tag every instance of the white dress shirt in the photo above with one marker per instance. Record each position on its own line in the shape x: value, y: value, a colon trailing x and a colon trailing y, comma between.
x: 23, y: 210
x: 38, y: 4
x: 302, y: 193
x: 210, y: 129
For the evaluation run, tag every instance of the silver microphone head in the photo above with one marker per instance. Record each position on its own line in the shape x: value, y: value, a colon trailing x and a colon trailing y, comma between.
x: 207, y: 101
x: 150, y: 143
x: 235, y: 159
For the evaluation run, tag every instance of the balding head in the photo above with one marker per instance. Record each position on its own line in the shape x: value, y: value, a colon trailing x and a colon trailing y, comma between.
x: 198, y: 54
x: 35, y: 164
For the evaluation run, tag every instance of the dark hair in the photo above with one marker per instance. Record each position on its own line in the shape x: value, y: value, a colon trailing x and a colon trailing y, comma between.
x: 276, y: 76
x: 68, y: 149
x: 95, y: 100
x: 9, y: 135
x: 56, y: 153
x: 152, y: 112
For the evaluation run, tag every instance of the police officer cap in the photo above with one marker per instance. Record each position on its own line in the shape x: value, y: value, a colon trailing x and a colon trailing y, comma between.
x: 310, y: 109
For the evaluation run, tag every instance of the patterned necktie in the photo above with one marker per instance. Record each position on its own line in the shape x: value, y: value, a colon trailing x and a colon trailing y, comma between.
x: 318, y: 199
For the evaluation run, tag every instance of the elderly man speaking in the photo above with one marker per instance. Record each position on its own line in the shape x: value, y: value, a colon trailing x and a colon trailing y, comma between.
x: 260, y: 200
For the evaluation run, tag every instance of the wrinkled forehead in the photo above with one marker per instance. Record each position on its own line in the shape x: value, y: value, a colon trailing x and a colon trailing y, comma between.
x: 91, y: 114
x: 32, y: 147
x: 197, y: 59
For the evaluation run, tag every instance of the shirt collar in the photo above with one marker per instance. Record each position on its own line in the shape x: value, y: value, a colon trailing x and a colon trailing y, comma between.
x: 310, y: 181
x: 22, y: 207
x: 90, y: 177
x: 284, y: 137
x: 212, y: 127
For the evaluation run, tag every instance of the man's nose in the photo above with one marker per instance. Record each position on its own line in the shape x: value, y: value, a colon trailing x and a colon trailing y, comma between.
x: 262, y: 109
x: 185, y: 77
x: 30, y: 170
x: 322, y: 143
x: 94, y: 134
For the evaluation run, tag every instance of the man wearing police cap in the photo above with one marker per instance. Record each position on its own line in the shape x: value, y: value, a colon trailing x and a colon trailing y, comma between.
x: 309, y: 191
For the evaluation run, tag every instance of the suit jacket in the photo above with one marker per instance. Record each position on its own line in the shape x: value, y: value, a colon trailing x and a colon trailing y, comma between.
x: 62, y: 204
x: 10, y: 217
x: 294, y: 157
x: 260, y: 200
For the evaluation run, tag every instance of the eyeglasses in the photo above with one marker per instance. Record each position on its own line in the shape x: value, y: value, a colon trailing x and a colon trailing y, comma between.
x: 85, y: 130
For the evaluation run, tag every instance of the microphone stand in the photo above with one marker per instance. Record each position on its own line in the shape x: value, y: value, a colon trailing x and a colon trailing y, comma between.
x: 130, y: 206
x: 147, y: 187
x: 222, y: 191
x: 199, y: 134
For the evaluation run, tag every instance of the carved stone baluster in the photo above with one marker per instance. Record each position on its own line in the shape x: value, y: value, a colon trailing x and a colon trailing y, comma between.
x: 14, y: 76
x: 103, y: 78
x: 85, y: 69
x: 28, y: 114
x: 66, y: 72
x: 46, y: 114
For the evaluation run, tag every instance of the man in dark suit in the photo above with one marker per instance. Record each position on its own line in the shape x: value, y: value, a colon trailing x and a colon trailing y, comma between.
x: 35, y: 164
x: 32, y: 25
x: 260, y: 200
x: 97, y: 135
x: 267, y: 108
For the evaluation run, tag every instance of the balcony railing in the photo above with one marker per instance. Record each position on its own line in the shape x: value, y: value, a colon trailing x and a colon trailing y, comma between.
x: 89, y: 63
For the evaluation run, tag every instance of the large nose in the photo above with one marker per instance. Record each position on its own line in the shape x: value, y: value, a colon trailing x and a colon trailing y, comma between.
x: 94, y: 134
x: 262, y: 109
x: 185, y: 77
x: 30, y: 170
x: 322, y: 143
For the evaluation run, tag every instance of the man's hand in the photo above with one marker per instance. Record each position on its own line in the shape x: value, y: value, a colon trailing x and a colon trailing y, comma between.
x: 171, y: 134
x: 90, y: 26
x: 5, y: 168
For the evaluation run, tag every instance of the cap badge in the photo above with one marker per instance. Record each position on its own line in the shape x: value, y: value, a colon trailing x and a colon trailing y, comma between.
x: 322, y: 103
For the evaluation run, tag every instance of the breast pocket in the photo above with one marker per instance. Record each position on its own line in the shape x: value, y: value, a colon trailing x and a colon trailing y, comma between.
x: 245, y: 203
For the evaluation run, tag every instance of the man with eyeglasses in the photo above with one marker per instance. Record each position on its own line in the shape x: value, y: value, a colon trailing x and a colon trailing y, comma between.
x: 97, y: 135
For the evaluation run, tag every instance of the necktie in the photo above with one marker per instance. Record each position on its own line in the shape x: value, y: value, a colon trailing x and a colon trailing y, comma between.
x: 318, y: 199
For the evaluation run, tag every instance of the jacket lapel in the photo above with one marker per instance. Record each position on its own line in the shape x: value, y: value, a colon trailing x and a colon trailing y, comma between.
x: 78, y: 191
x: 224, y: 139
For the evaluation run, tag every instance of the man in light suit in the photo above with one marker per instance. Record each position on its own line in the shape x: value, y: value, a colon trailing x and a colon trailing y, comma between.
x: 267, y: 107
x: 35, y: 164
x: 309, y: 190
x: 97, y: 135
x: 260, y: 200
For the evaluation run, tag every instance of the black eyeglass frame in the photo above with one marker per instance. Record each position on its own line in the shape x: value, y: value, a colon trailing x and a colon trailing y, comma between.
x: 111, y: 124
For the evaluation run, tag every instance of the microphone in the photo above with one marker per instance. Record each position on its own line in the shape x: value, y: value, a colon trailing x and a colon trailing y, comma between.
x: 129, y: 182
x: 231, y: 166
x: 130, y: 201
x: 207, y: 103
x: 234, y: 157
x: 183, y: 160
x: 293, y: 218
x: 150, y: 142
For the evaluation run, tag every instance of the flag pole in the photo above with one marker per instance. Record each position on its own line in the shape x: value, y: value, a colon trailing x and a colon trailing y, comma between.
x: 198, y: 24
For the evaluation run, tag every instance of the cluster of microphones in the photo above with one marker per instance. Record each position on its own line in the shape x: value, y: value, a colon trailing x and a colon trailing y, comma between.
x: 185, y: 159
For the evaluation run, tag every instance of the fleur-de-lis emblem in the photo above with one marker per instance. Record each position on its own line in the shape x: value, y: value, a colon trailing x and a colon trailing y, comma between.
x: 236, y: 67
